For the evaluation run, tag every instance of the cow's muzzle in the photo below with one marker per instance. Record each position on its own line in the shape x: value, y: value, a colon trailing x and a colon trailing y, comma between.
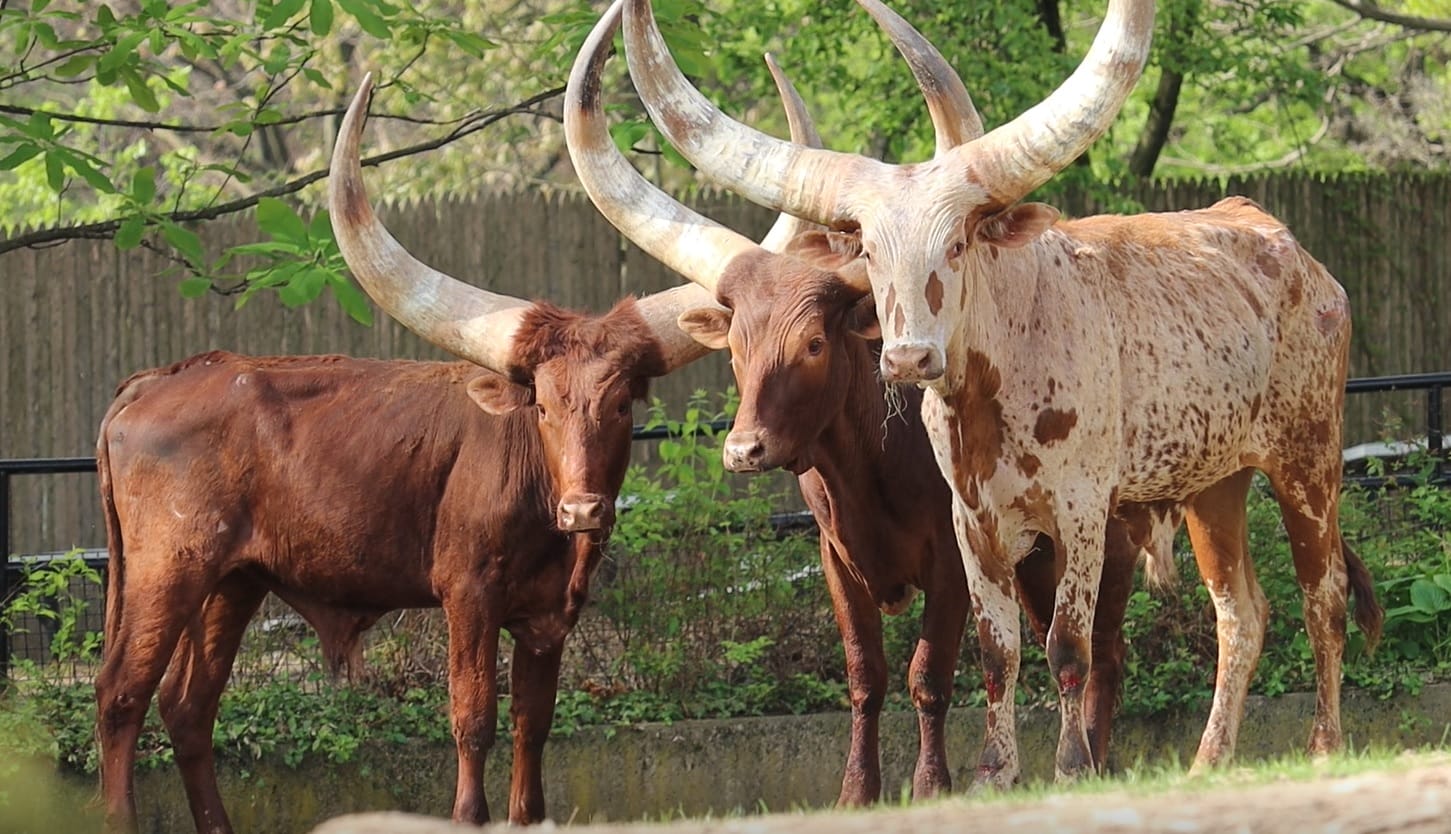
x: 585, y: 512
x: 744, y: 451
x: 912, y: 362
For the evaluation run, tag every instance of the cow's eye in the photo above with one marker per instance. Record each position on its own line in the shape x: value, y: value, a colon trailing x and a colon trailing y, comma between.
x: 957, y: 249
x: 624, y: 409
x: 815, y: 346
x: 542, y: 413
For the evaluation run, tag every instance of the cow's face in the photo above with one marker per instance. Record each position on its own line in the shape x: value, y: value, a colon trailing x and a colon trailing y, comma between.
x: 795, y: 334
x: 584, y: 375
x: 931, y: 258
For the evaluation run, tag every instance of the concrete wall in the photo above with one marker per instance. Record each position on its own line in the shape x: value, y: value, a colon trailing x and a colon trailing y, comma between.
x: 659, y: 771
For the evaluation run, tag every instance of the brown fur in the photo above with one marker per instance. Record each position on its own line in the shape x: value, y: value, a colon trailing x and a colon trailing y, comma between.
x: 352, y: 487
x: 884, y: 511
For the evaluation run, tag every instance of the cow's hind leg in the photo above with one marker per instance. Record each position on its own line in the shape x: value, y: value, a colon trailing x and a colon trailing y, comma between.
x: 155, y: 604
x: 1219, y: 533
x: 1075, y: 604
x: 860, y: 623
x: 535, y: 682
x: 1309, y: 499
x: 473, y: 652
x: 191, y: 692
x: 1105, y: 680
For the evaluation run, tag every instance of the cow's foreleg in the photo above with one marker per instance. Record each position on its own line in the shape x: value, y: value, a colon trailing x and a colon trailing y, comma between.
x: 535, y: 681
x: 990, y: 583
x: 473, y: 651
x: 866, y: 671
x: 1310, y: 505
x: 189, y: 695
x: 944, y: 618
x: 1220, y: 534
x: 1081, y: 527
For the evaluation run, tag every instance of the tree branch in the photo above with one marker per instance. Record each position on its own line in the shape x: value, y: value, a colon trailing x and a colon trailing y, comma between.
x: 1370, y: 11
x: 172, y: 127
x: 107, y: 228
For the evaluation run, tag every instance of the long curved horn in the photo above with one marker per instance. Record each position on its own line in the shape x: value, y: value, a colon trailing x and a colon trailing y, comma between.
x: 688, y: 243
x: 955, y: 120
x: 803, y: 132
x: 763, y: 169
x: 1023, y: 154
x: 464, y: 320
x: 696, y: 247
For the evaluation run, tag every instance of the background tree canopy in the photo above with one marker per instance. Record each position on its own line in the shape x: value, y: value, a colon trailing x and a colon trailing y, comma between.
x: 135, y: 119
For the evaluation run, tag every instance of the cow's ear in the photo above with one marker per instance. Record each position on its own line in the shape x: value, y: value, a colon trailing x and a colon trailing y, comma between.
x: 862, y: 318
x: 710, y: 326
x: 1017, y: 226
x: 499, y: 396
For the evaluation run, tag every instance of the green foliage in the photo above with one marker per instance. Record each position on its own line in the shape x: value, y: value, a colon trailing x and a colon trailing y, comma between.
x: 732, y: 606
x: 51, y: 594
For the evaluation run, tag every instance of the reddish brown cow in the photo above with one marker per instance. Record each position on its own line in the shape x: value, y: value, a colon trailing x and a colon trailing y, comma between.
x: 804, y: 352
x: 352, y: 487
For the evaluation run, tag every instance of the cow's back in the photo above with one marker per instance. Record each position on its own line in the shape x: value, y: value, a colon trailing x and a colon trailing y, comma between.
x: 307, y: 468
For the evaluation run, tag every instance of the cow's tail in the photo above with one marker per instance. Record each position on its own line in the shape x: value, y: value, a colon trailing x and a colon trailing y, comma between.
x: 1161, y: 570
x: 1368, y: 613
x: 126, y: 393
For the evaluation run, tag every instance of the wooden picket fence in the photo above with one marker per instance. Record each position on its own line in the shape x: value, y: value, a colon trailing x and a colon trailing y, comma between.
x: 79, y: 317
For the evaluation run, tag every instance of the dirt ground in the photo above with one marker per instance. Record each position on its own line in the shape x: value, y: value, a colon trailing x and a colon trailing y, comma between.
x: 1407, y: 797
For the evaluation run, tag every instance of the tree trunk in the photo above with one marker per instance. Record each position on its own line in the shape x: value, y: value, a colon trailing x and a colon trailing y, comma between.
x: 1156, y: 127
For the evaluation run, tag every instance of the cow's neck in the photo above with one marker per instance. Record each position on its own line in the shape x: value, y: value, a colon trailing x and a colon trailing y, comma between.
x: 859, y: 441
x: 1000, y: 294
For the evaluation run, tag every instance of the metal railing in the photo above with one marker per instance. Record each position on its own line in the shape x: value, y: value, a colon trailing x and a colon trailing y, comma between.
x: 1434, y: 384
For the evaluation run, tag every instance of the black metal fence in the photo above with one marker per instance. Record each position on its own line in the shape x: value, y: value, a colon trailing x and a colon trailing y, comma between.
x: 31, y: 638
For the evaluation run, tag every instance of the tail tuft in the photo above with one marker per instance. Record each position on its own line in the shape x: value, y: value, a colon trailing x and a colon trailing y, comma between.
x: 1369, y: 615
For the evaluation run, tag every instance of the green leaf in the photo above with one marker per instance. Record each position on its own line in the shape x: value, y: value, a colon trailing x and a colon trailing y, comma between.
x: 306, y: 285
x: 267, y: 247
x: 367, y: 18
x: 320, y: 230
x: 75, y: 65
x: 121, y: 54
x: 281, y: 12
x: 629, y: 134
x: 194, y: 287
x: 80, y: 165
x: 351, y: 299
x: 129, y: 235
x: 140, y: 93
x: 277, y: 219
x: 54, y: 172
x: 320, y: 16
x: 143, y: 185
x: 184, y: 241
x: 470, y: 43
x: 317, y: 78
x: 1429, y: 597
x: 23, y: 153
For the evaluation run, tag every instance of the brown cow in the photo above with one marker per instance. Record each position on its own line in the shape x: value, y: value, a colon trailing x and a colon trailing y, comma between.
x: 351, y: 487
x: 1072, y: 367
x: 811, y: 402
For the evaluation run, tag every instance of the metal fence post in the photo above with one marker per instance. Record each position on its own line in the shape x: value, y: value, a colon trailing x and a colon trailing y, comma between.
x: 1434, y: 437
x: 4, y: 578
